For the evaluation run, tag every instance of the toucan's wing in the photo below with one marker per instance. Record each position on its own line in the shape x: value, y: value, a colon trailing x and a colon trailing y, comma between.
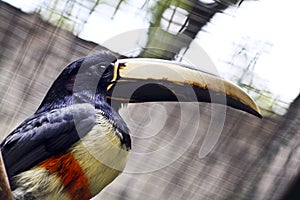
x: 44, y: 135
x: 149, y: 80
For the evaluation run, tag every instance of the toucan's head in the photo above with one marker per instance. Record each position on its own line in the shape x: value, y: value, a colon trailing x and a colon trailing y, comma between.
x: 102, y: 77
x: 84, y: 80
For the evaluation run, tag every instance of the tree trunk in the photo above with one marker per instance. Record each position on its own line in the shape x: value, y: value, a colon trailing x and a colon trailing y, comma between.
x: 166, y: 45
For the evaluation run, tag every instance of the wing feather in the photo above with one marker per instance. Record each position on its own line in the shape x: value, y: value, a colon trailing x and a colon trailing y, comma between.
x: 44, y: 135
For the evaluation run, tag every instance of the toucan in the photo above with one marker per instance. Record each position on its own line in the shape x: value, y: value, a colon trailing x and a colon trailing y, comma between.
x: 76, y: 143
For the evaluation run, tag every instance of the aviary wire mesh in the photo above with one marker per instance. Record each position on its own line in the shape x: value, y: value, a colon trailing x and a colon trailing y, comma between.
x: 253, y: 159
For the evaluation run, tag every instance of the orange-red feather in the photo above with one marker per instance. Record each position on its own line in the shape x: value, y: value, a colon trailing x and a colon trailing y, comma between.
x: 68, y: 170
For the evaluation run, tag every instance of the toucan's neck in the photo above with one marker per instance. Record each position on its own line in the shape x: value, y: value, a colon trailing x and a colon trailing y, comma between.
x: 57, y: 101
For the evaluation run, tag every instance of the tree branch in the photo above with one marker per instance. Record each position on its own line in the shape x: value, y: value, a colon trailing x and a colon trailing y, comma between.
x: 5, y: 192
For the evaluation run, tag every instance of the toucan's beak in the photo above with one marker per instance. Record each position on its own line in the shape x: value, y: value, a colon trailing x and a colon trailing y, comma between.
x: 150, y: 80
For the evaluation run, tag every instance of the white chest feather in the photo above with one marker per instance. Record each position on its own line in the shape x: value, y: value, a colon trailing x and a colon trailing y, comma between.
x: 101, y: 155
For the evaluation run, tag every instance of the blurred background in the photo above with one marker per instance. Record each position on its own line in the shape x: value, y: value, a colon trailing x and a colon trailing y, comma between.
x: 253, y: 43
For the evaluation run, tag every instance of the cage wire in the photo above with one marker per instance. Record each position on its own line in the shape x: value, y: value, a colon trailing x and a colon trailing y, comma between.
x: 35, y: 47
x: 170, y: 18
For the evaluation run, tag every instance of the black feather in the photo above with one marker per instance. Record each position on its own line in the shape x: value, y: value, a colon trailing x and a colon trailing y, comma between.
x: 56, y: 132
